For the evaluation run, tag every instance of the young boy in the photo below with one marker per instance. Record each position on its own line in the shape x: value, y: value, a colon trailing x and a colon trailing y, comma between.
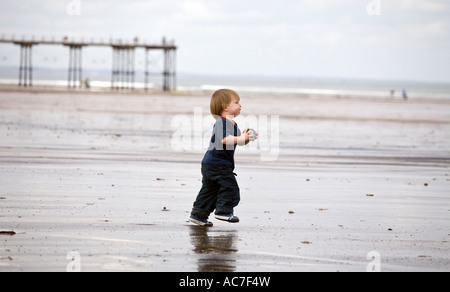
x: 220, y: 190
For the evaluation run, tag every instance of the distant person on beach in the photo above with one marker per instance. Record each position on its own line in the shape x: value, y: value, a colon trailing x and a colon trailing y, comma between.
x: 220, y: 190
x: 405, y: 96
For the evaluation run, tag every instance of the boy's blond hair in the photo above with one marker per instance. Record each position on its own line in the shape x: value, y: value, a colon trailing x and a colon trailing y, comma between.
x: 221, y: 99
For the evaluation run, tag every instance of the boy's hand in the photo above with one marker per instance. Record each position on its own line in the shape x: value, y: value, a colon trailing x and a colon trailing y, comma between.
x: 252, y: 134
x: 241, y: 140
x: 248, y: 136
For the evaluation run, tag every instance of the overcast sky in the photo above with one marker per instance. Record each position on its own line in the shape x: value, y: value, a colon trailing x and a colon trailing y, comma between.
x: 398, y: 39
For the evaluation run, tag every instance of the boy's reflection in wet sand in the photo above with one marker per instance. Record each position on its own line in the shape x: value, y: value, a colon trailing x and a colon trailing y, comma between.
x: 216, y: 248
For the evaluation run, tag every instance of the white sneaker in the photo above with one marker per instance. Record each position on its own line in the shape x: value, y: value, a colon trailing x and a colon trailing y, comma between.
x: 227, y: 217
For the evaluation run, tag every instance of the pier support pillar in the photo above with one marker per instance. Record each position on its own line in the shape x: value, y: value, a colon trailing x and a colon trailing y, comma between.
x: 26, y: 64
x: 168, y: 74
x: 75, y: 66
x: 123, y: 67
x: 169, y: 70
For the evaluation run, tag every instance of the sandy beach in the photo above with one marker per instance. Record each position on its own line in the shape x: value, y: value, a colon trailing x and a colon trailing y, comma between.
x: 96, y: 181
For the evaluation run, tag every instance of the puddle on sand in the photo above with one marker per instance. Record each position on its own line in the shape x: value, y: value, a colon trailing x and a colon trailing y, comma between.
x: 216, y: 249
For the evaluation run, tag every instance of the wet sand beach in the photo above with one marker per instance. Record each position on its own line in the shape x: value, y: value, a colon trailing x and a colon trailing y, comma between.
x: 95, y: 181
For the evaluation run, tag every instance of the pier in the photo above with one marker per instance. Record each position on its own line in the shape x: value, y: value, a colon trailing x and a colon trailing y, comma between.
x: 123, y: 60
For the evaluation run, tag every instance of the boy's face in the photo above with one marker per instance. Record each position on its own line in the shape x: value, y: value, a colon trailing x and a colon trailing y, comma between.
x: 234, y: 108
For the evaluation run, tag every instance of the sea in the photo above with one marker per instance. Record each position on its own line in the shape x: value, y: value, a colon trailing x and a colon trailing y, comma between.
x: 401, y: 89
